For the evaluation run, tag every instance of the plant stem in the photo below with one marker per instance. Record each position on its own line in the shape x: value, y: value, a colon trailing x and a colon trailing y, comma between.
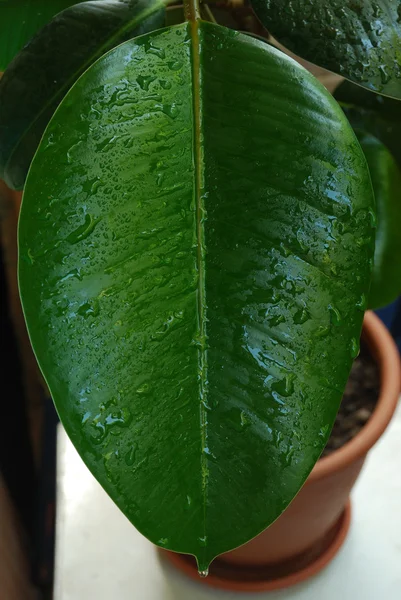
x: 192, y: 10
x: 208, y: 11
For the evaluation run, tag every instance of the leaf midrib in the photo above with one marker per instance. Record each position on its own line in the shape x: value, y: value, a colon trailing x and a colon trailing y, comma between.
x: 200, y: 233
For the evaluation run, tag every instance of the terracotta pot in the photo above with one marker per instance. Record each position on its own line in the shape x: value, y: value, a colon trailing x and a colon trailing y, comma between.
x: 310, y: 532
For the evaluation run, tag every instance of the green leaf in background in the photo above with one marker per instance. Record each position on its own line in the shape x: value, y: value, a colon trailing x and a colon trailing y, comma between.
x: 195, y: 251
x: 377, y: 122
x: 359, y: 39
x: 375, y: 114
x: 21, y: 19
x: 40, y: 76
x: 386, y: 180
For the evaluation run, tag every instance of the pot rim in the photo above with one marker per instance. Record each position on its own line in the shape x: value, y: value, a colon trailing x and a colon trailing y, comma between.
x: 385, y: 351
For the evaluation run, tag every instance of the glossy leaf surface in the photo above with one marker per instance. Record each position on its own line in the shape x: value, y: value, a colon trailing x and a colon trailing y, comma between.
x: 21, y: 19
x: 49, y: 65
x: 386, y: 180
x: 359, y: 39
x: 195, y: 248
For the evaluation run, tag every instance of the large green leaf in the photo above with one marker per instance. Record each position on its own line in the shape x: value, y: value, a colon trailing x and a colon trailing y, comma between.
x: 21, y: 19
x: 195, y: 251
x: 43, y: 72
x: 386, y: 180
x: 360, y: 39
x: 375, y: 114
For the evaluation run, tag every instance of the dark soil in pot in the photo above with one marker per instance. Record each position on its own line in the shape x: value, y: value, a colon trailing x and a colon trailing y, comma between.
x: 359, y: 400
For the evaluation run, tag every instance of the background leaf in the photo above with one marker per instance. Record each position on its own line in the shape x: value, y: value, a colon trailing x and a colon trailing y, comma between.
x: 194, y: 257
x: 386, y: 180
x: 20, y: 20
x: 375, y: 114
x: 359, y: 39
x: 42, y: 73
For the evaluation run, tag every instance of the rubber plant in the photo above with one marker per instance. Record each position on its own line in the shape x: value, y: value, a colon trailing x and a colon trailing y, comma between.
x: 196, y: 244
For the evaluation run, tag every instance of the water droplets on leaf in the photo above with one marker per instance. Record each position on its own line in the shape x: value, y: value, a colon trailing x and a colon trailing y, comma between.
x: 188, y: 503
x: 285, y: 386
x: 322, y: 332
x: 144, y: 389
x: 71, y: 158
x: 144, y: 81
x: 209, y: 454
x: 84, y: 230
x: 165, y: 84
x: 73, y: 274
x: 335, y: 315
x: 151, y: 49
x: 323, y: 431
x: 384, y: 75
x: 301, y: 316
x: 354, y: 348
x: 90, y: 308
x: 372, y: 217
x: 171, y: 110
x: 285, y: 251
x: 362, y: 303
x: 130, y: 456
x: 276, y: 319
x: 85, y: 417
x: 175, y: 65
x: 245, y: 420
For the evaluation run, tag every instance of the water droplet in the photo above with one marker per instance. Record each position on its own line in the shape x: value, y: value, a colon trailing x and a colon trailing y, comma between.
x: 384, y: 75
x: 143, y: 389
x: 245, y: 420
x: 31, y: 256
x: 130, y: 456
x: 301, y: 316
x: 354, y: 348
x: 286, y: 251
x: 89, y: 309
x: 84, y: 230
x: 144, y: 81
x: 285, y: 386
x: 150, y: 49
x: 362, y: 303
x: 335, y: 315
x: 175, y: 65
x: 203, y: 573
x: 73, y: 274
x: 86, y: 417
x: 203, y: 540
x: 322, y: 332
x: 166, y: 85
x: 71, y: 151
x: 171, y: 110
x: 376, y: 10
x: 323, y: 431
x: 209, y: 454
x: 289, y: 457
x: 163, y: 542
x: 372, y: 217
x: 276, y: 320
